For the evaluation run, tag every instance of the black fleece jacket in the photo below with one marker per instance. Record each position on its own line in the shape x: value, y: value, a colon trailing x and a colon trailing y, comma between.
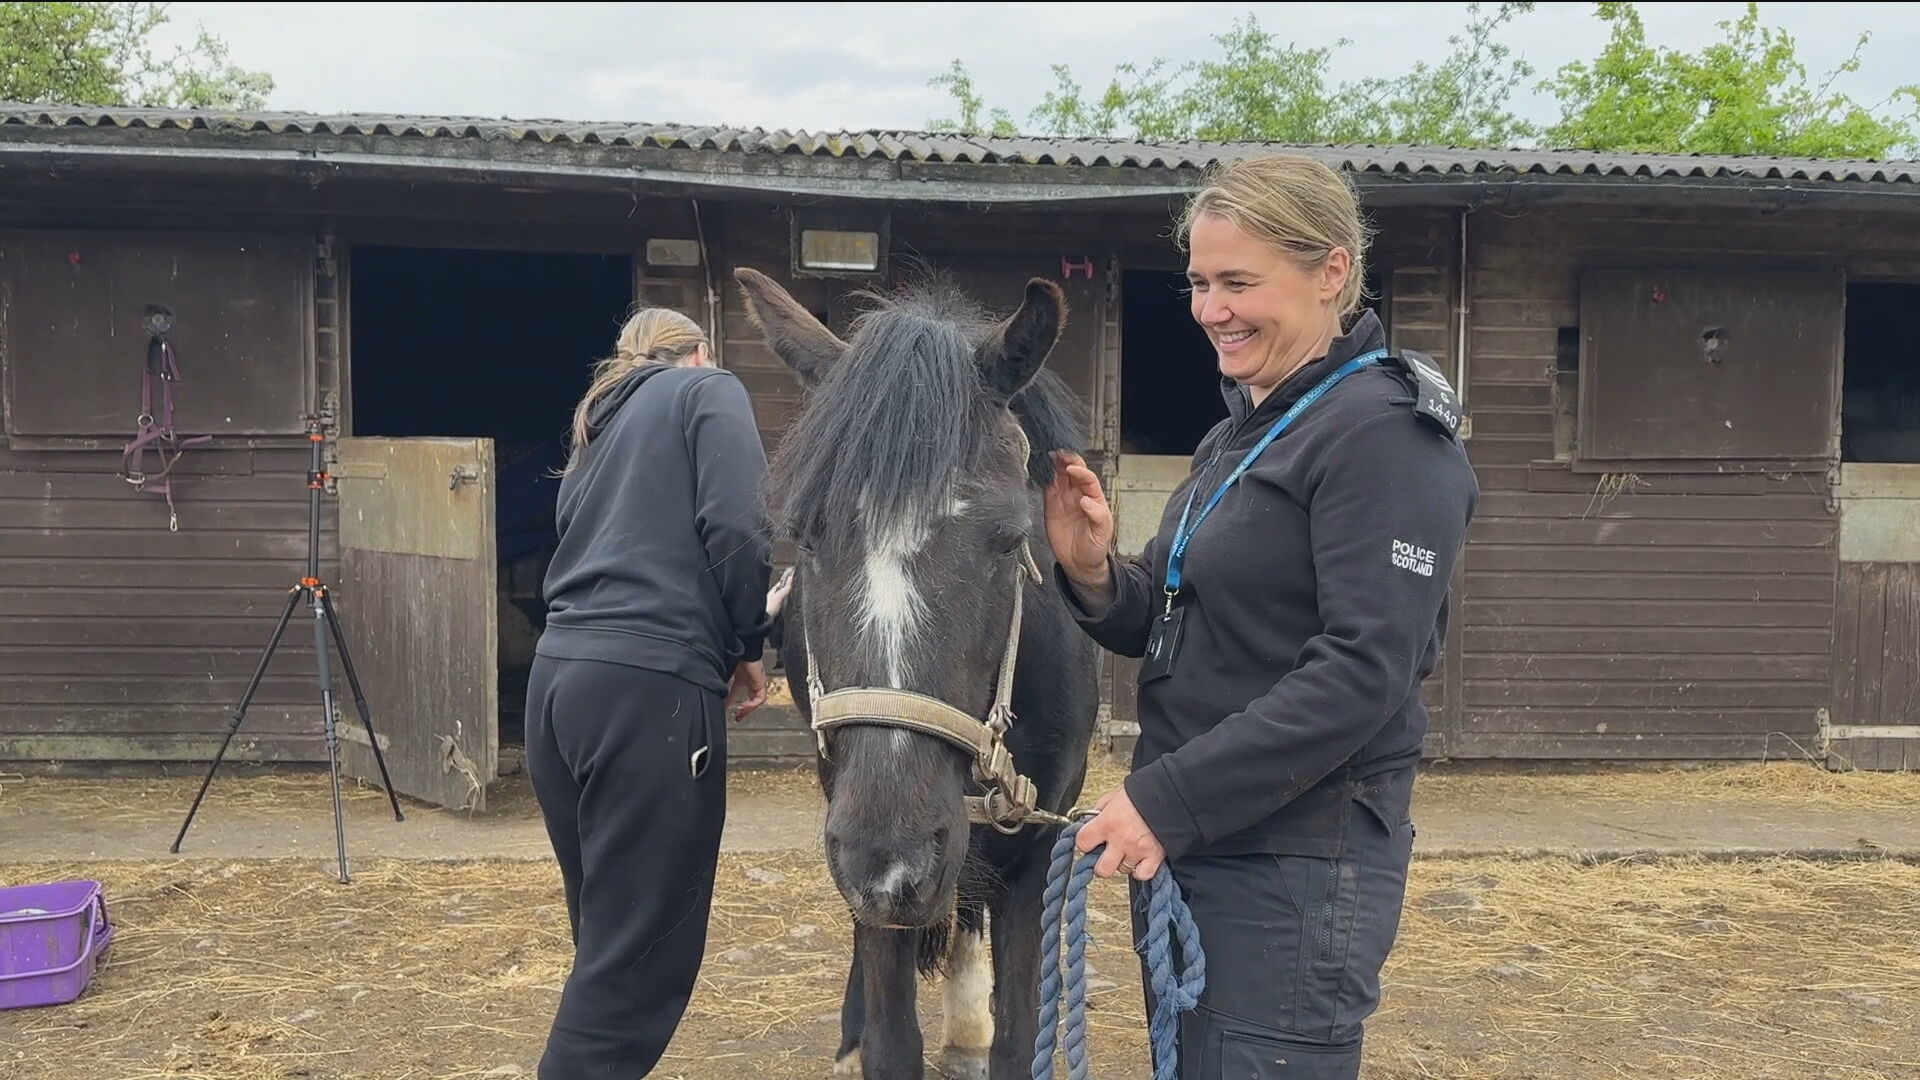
x: 664, y: 552
x: 1316, y: 597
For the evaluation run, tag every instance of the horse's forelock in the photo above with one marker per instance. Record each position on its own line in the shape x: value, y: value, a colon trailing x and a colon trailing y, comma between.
x: 890, y: 436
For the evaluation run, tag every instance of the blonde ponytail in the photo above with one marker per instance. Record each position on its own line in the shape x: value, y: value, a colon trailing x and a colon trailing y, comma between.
x: 651, y: 336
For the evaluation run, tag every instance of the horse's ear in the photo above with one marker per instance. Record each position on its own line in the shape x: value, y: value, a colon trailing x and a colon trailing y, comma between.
x: 1013, y: 353
x: 792, y: 332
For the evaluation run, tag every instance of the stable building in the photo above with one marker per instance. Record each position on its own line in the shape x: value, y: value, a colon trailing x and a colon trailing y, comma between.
x: 1696, y: 430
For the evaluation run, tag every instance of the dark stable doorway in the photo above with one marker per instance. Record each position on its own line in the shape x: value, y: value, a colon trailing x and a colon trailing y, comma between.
x: 493, y: 344
x: 1169, y: 375
x: 1169, y: 378
x: 1880, y: 381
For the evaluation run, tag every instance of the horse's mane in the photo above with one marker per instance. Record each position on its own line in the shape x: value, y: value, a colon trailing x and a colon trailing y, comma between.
x: 908, y: 405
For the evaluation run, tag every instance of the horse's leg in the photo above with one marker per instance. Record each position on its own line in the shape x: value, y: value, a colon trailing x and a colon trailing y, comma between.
x: 890, y: 1044
x: 853, y: 1014
x: 1015, y: 924
x: 967, y: 1007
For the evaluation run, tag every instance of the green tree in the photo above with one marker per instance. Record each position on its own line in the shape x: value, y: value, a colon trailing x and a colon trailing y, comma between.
x: 1261, y: 87
x: 959, y: 84
x: 100, y: 54
x: 1463, y: 100
x: 1747, y: 93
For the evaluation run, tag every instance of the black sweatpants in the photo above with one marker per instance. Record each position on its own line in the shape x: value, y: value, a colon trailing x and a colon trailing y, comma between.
x: 1294, y: 948
x: 629, y: 766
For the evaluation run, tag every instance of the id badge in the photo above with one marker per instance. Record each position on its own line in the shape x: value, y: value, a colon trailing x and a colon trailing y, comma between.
x: 1163, y: 641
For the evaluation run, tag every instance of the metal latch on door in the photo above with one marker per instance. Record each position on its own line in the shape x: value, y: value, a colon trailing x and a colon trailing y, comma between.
x: 462, y: 474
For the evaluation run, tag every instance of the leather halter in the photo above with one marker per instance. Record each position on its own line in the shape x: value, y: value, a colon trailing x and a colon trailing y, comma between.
x: 1011, y: 799
x: 163, y: 368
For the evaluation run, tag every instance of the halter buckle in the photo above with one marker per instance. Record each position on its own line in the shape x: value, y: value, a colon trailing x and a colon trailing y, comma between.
x: 1008, y: 811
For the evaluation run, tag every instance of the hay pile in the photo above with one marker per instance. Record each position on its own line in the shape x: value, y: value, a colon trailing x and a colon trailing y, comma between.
x: 240, y: 790
x: 1507, y: 969
x: 1668, y: 968
x: 1776, y: 783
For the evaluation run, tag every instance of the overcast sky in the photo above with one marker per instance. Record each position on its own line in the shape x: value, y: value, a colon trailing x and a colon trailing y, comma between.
x: 831, y: 66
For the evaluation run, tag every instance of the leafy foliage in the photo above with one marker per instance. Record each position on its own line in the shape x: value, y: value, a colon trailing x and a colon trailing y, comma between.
x: 960, y: 85
x: 1747, y: 93
x: 99, y: 54
x: 1264, y: 88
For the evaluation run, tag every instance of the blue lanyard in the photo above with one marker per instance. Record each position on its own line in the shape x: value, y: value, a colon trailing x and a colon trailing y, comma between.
x: 1182, y: 534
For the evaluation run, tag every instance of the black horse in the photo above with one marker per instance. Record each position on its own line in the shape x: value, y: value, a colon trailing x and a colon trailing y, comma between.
x: 911, y: 483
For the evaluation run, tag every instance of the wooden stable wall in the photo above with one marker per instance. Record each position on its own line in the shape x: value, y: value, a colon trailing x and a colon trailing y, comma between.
x: 121, y: 640
x: 1615, y: 614
x: 1642, y: 613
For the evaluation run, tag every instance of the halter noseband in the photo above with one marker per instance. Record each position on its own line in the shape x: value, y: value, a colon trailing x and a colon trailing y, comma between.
x: 1011, y: 799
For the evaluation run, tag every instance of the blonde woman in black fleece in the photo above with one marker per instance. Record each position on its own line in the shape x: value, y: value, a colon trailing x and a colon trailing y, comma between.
x: 1286, y: 613
x: 656, y: 603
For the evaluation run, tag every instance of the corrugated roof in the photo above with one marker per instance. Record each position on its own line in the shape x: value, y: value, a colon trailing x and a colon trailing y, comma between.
x: 30, y: 121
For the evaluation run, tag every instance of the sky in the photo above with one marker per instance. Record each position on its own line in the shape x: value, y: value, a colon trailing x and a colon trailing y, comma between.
x: 856, y: 66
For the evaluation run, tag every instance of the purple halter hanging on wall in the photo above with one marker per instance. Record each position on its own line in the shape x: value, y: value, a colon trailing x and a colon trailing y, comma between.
x: 161, y: 367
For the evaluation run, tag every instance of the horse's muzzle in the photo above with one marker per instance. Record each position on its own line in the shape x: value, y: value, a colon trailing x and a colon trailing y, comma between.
x: 893, y: 884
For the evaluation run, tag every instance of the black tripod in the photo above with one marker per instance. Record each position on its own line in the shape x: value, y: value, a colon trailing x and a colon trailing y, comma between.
x: 320, y: 600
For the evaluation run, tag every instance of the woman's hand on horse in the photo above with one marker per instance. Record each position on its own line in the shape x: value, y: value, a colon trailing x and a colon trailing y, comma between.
x: 1131, y: 845
x: 777, y: 596
x: 1079, y: 522
x: 749, y: 686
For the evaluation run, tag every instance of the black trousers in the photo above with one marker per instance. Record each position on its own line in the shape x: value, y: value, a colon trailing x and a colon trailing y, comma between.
x: 1294, y: 948
x: 629, y: 767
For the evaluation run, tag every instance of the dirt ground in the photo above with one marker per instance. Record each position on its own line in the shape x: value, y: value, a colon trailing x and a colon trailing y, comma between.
x: 1566, y: 924
x: 1462, y: 809
x: 1507, y: 969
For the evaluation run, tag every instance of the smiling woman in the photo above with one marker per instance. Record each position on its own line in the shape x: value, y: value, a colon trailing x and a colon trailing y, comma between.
x: 1273, y: 252
x: 1284, y: 643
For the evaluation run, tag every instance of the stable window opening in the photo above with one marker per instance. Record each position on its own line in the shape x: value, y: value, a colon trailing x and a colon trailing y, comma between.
x: 1169, y: 373
x: 1169, y: 376
x: 488, y: 344
x: 1880, y: 378
x: 1566, y: 393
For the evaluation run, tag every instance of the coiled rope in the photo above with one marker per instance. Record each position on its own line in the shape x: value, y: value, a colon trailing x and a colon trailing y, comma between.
x: 1167, y: 917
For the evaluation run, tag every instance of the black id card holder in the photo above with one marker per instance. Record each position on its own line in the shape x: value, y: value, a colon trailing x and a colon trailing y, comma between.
x: 1163, y: 643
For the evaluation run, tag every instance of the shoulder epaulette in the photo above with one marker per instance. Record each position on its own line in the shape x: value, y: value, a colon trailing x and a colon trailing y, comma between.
x: 1434, y: 399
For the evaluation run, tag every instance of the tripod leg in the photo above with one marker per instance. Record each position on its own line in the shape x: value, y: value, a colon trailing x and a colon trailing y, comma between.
x: 240, y: 711
x: 333, y: 730
x: 360, y: 702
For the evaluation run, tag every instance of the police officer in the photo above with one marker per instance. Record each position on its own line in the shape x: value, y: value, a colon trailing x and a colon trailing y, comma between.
x: 1286, y: 614
x: 656, y: 615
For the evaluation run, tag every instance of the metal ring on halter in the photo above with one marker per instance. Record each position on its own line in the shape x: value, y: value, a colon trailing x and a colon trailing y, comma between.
x: 1001, y: 814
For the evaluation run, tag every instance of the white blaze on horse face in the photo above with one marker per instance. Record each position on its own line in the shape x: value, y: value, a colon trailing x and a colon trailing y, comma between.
x: 897, y: 875
x: 967, y: 996
x: 891, y: 609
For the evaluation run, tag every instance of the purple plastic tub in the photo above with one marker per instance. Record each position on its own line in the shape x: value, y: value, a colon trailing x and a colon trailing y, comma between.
x: 51, y: 936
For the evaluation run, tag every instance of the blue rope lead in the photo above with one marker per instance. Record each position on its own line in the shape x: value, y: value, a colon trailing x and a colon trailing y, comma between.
x: 1167, y: 915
